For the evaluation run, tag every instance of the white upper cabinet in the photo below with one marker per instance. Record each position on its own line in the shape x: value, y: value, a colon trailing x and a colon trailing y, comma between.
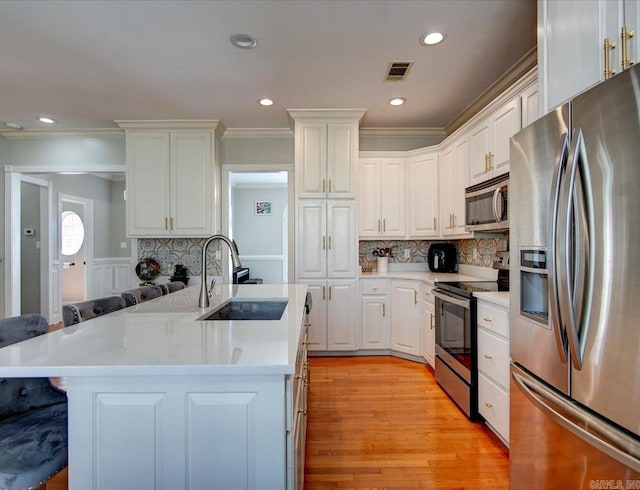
x: 582, y: 43
x: 423, y: 209
x: 326, y: 155
x: 454, y: 172
x: 529, y: 101
x: 381, y: 197
x: 327, y: 245
x: 170, y: 182
x: 489, y: 141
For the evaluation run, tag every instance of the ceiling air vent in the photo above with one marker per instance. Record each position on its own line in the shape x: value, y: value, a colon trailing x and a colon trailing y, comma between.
x: 397, y: 71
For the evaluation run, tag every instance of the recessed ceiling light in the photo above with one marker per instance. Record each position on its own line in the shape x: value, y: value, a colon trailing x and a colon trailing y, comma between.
x: 244, y: 41
x: 13, y: 126
x: 397, y: 101
x: 431, y: 38
x: 47, y: 120
x: 265, y: 102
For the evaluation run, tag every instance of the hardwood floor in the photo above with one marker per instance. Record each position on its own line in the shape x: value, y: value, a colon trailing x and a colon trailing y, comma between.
x: 383, y: 423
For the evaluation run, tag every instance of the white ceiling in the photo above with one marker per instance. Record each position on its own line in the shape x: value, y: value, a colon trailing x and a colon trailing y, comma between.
x: 88, y: 63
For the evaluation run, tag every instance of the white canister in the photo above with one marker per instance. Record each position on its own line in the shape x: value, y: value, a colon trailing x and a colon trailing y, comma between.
x: 383, y: 264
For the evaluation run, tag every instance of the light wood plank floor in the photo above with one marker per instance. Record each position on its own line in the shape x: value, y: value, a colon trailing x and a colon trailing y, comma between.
x: 383, y: 423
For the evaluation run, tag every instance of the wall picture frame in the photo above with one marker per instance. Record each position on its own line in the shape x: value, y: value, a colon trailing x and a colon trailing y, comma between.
x: 263, y: 208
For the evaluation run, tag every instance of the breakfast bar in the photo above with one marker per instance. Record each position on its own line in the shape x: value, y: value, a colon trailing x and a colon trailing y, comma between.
x: 160, y: 397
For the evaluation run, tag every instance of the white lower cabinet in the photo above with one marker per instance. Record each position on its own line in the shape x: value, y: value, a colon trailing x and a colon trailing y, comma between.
x: 374, y: 314
x: 333, y: 316
x: 405, y: 317
x: 428, y: 327
x: 493, y: 366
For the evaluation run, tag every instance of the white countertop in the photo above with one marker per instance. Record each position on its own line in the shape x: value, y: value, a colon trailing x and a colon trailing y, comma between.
x: 497, y: 297
x: 163, y: 336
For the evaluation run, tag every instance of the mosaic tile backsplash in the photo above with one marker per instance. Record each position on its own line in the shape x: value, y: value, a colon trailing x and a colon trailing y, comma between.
x: 479, y: 251
x: 185, y: 251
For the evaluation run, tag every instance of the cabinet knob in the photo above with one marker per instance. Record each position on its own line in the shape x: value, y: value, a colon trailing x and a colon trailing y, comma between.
x: 488, y: 356
x: 488, y: 404
x: 487, y: 319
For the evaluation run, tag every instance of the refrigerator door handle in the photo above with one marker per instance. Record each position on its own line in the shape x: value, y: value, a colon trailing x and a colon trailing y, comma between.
x: 556, y: 322
x: 584, y: 425
x: 576, y: 279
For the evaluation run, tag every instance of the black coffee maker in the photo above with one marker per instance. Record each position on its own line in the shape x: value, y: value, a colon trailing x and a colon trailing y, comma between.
x: 180, y: 273
x: 442, y: 257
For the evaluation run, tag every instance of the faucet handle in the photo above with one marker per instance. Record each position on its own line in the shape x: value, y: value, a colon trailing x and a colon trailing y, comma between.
x: 213, y: 283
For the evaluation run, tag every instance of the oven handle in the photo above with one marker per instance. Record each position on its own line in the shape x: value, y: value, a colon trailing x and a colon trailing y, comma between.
x: 464, y: 303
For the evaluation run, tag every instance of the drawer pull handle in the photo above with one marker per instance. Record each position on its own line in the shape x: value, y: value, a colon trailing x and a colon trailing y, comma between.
x: 374, y: 289
x: 487, y: 319
x: 488, y: 405
x: 488, y: 356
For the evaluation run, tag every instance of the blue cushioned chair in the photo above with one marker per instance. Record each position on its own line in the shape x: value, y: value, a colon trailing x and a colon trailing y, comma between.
x: 33, y: 418
x: 86, y: 310
x: 140, y: 295
x: 171, y: 287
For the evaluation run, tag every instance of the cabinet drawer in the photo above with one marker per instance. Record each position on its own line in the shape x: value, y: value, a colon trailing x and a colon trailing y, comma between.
x: 493, y: 405
x: 374, y: 286
x: 493, y: 357
x: 493, y: 318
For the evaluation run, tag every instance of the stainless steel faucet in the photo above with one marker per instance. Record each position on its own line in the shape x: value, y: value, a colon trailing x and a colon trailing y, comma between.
x: 203, y: 302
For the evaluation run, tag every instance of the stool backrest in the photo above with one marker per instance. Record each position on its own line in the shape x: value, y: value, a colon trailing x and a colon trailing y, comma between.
x: 171, y: 287
x: 140, y: 295
x: 86, y: 310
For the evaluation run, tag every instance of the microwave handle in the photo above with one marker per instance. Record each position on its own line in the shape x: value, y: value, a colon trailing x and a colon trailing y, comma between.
x: 497, y: 197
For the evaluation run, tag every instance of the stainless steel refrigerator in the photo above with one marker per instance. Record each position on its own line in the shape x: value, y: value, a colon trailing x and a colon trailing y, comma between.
x: 574, y: 207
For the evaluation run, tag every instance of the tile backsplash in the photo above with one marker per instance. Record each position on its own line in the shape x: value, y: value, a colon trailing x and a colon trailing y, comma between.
x: 185, y: 251
x: 478, y: 251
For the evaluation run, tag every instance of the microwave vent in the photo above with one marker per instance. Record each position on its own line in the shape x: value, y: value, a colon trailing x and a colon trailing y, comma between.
x: 397, y: 71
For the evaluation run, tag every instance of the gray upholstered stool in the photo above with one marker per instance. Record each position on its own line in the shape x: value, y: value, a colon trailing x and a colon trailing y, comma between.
x: 33, y: 418
x: 171, y: 287
x: 141, y: 294
x: 86, y: 310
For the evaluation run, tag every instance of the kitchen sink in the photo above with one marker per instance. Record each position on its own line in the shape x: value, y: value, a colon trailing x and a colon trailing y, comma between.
x: 249, y: 309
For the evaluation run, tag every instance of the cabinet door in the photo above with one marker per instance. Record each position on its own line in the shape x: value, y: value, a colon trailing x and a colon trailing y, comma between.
x: 370, y: 222
x: 148, y: 184
x: 632, y: 23
x: 529, y: 103
x: 374, y: 322
x: 341, y: 240
x: 423, y: 197
x: 405, y: 317
x: 341, y: 315
x: 505, y: 123
x: 342, y: 156
x: 392, y: 194
x: 479, y: 149
x: 311, y: 152
x: 428, y: 332
x: 447, y: 183
x: 460, y: 182
x: 191, y: 184
x: 318, y: 315
x: 312, y: 238
x: 570, y: 40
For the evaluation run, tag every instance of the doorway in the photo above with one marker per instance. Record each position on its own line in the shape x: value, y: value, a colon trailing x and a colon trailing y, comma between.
x: 75, y: 222
x: 257, y: 211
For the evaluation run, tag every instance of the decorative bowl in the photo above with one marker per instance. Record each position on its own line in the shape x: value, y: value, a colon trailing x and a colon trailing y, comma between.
x: 368, y: 266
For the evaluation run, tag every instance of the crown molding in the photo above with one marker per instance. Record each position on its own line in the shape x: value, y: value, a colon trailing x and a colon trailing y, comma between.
x: 326, y: 114
x: 402, y: 132
x: 239, y: 133
x: 524, y: 65
x: 171, y: 124
x: 35, y: 134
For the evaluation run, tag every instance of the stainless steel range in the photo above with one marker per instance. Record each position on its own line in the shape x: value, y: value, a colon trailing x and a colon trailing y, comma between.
x: 456, y: 336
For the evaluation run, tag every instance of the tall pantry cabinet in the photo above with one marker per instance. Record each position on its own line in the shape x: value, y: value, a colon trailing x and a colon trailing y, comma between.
x: 326, y: 159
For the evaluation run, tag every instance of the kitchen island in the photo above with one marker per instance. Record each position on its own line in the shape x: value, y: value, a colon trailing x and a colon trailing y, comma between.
x: 161, y: 399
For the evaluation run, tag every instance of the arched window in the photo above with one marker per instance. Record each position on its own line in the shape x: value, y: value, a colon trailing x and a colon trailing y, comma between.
x: 71, y: 233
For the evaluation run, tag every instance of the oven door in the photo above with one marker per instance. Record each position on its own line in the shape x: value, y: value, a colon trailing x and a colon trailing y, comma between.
x: 454, y: 342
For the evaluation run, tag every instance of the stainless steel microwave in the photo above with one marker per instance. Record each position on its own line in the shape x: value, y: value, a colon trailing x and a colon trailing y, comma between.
x: 486, y: 205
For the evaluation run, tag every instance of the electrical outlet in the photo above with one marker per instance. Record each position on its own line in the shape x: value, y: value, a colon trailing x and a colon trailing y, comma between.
x: 407, y: 253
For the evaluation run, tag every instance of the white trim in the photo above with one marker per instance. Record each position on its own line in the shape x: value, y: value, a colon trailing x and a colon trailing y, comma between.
x: 36, y: 134
x: 326, y: 115
x: 400, y: 132
x: 170, y: 124
x: 240, y: 133
x: 64, y: 169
